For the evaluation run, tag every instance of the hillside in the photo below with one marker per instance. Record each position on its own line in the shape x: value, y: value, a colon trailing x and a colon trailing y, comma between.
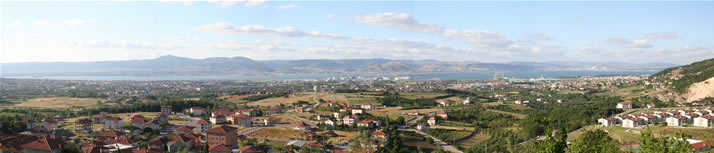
x: 173, y: 65
x: 693, y: 81
x: 684, y: 76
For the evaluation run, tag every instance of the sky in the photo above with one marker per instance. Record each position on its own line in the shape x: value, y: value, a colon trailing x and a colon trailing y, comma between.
x: 629, y: 32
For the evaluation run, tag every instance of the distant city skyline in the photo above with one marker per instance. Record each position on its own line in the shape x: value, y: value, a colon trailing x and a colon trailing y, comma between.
x: 630, y: 32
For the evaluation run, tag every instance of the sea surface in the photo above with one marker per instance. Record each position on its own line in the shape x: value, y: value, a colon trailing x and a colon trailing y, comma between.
x: 412, y: 76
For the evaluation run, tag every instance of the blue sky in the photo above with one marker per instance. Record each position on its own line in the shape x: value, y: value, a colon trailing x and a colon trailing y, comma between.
x: 635, y: 32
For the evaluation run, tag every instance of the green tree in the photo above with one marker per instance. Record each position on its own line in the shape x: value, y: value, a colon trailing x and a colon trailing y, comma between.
x: 649, y: 143
x: 594, y: 141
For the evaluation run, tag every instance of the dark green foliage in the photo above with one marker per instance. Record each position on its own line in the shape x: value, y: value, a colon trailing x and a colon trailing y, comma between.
x: 594, y: 141
x: 651, y: 144
x: 396, y: 100
x: 265, y: 96
x: 480, y: 117
x: 346, y: 90
x: 570, y: 115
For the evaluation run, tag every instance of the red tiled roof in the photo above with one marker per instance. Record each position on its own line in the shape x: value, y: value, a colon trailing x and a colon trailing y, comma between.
x: 250, y: 149
x: 698, y: 145
x: 44, y: 143
x: 202, y: 122
x: 272, y: 118
x: 219, y: 148
x: 625, y: 102
x: 84, y: 121
x: 184, y: 128
x: 378, y: 132
x: 222, y: 129
x: 110, y: 133
x: 315, y: 143
x: 241, y: 116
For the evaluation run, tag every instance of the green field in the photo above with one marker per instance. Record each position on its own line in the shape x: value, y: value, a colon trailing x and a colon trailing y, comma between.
x: 59, y: 102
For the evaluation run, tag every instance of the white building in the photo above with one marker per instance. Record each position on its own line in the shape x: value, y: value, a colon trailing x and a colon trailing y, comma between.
x: 676, y: 120
x: 704, y: 121
x: 633, y: 122
x: 624, y: 105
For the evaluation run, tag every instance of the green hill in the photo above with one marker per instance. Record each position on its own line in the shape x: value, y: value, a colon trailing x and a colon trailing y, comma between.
x: 687, y: 74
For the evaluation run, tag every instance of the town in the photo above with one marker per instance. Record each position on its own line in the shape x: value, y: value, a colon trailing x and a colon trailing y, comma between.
x: 326, y: 116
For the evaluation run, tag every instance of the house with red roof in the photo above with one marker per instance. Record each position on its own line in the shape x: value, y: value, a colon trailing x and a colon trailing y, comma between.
x: 367, y: 106
x: 83, y: 125
x: 624, y: 105
x: 44, y: 144
x: 111, y: 122
x: 413, y: 113
x: 203, y: 125
x: 271, y: 121
x: 219, y: 148
x: 302, y: 126
x: 242, y: 120
x: 250, y: 149
x: 166, y: 109
x: 218, y: 119
x: 184, y: 129
x: 222, y: 135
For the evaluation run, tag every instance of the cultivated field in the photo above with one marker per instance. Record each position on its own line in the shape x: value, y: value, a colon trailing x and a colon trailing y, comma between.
x: 58, y: 102
x: 274, y: 132
x: 286, y: 101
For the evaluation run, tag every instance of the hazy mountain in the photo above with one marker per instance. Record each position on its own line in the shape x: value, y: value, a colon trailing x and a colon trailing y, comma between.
x: 173, y: 65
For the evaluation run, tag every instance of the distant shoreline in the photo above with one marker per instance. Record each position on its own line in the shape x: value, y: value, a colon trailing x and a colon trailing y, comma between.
x: 412, y: 76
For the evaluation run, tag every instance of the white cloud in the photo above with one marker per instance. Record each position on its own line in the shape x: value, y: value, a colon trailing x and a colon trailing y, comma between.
x: 79, y: 22
x: 120, y: 44
x: 662, y: 35
x: 330, y: 15
x: 14, y: 24
x: 627, y: 43
x: 287, y: 6
x: 404, y: 21
x: 227, y: 28
x: 41, y: 22
x: 179, y: 38
x: 398, y: 20
x: 229, y: 3
x: 184, y: 2
x: 592, y: 50
x: 686, y: 51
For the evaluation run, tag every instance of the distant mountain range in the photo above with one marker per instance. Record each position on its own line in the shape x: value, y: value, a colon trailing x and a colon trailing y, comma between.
x: 174, y: 65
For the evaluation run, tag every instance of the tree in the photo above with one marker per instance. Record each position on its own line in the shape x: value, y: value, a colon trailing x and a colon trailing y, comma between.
x: 594, y: 141
x: 663, y: 144
x: 71, y: 147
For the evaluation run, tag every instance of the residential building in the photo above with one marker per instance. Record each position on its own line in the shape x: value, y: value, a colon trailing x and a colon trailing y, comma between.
x: 166, y: 109
x: 114, y: 123
x: 422, y: 126
x: 203, y: 126
x: 83, y: 125
x: 222, y: 135
x: 302, y: 126
x: 219, y: 148
x: 219, y: 119
x: 367, y: 106
x: 624, y: 105
x: 704, y: 121
x: 242, y: 120
x: 271, y: 121
x: 44, y: 144
x: 676, y: 120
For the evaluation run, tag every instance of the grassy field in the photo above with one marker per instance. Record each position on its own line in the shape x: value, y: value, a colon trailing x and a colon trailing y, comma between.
x: 58, y: 102
x: 421, y: 95
x: 474, y: 139
x: 281, y: 100
x: 274, y: 132
x: 517, y: 115
x: 343, y: 137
